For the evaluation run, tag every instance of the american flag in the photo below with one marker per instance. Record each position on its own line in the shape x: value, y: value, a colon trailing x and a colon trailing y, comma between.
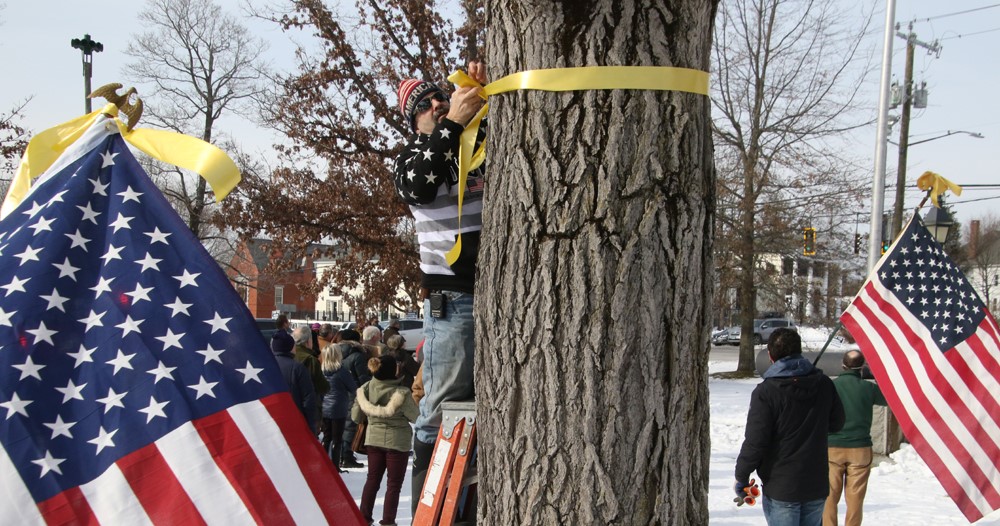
x: 935, y: 352
x: 134, y: 385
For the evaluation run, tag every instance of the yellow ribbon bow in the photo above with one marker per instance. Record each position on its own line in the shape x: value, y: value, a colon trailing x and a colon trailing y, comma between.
x: 937, y: 185
x: 561, y: 79
x: 181, y: 150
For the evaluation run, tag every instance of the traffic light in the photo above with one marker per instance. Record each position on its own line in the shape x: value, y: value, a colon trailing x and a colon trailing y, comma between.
x: 885, y: 246
x: 809, y: 241
x: 857, y: 243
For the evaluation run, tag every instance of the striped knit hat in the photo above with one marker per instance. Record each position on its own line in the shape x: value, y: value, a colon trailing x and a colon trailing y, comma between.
x: 412, y: 91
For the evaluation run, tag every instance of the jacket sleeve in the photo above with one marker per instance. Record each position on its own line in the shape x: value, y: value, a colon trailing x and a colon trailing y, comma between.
x: 348, y: 380
x: 356, y: 413
x: 319, y: 381
x: 308, y: 396
x: 427, y: 162
x: 758, y: 435
x: 879, y: 398
x: 410, y: 409
x: 418, y: 385
x: 837, y: 415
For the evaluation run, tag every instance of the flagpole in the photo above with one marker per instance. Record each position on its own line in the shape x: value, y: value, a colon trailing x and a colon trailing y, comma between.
x: 881, y: 143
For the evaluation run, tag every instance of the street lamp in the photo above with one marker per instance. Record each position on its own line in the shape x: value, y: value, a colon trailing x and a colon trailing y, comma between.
x: 87, y: 47
x: 939, y: 222
x: 950, y: 132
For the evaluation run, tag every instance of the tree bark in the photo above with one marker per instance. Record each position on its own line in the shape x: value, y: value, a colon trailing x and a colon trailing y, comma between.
x: 594, y: 273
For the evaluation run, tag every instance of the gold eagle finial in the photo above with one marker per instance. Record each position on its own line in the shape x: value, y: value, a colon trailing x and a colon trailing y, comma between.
x: 132, y: 109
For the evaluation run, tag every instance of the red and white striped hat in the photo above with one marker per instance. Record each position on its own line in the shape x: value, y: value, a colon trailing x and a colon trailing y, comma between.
x: 412, y: 91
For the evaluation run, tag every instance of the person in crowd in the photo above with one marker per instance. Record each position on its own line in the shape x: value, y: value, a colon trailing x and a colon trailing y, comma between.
x: 426, y: 179
x: 350, y: 335
x: 325, y: 335
x: 282, y: 323
x: 791, y: 412
x: 850, y: 449
x: 307, y: 356
x: 389, y: 409
x: 315, y: 338
x: 408, y: 366
x: 296, y: 376
x: 371, y: 336
x: 356, y: 358
x: 391, y: 330
x: 336, y: 402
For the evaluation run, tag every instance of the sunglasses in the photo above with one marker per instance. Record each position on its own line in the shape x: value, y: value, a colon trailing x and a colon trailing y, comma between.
x: 426, y: 103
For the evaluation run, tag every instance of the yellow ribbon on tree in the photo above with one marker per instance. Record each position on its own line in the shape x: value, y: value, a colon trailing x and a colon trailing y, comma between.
x: 180, y: 150
x: 937, y: 185
x: 561, y: 79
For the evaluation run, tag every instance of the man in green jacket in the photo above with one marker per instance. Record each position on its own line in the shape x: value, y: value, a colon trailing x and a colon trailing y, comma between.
x: 850, y: 449
x: 307, y: 356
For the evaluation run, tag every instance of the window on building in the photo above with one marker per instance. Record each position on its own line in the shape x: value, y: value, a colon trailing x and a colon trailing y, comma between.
x: 279, y: 296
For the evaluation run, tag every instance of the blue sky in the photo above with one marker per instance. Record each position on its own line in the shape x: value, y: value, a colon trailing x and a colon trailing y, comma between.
x: 961, y: 81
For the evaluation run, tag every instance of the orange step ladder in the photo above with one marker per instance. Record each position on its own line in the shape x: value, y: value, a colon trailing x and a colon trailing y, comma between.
x: 452, y: 476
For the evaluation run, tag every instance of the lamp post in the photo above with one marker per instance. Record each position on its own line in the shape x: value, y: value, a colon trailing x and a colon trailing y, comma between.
x: 939, y: 222
x: 949, y: 133
x: 87, y: 48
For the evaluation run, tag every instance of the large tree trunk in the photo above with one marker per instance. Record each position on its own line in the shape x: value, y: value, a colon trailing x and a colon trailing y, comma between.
x: 595, y: 273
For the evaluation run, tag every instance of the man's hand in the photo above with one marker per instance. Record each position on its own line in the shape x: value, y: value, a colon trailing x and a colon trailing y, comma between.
x: 466, y: 102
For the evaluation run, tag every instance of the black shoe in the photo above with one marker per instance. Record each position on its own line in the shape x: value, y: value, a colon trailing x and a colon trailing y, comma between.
x: 348, y: 463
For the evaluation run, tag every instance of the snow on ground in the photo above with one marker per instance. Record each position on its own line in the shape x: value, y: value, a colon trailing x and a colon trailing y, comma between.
x: 901, y: 490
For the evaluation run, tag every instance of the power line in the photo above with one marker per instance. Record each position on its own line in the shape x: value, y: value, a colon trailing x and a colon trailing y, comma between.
x: 956, y: 13
x: 972, y: 34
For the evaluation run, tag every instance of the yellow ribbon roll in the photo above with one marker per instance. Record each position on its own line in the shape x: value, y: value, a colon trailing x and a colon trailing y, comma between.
x: 562, y: 79
x: 180, y: 150
x: 937, y: 185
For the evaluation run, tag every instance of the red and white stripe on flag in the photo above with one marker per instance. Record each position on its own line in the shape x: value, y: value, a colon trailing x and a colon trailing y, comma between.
x: 947, y: 403
x: 254, y: 463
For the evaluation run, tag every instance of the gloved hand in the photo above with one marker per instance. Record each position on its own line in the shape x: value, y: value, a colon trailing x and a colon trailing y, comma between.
x: 740, y: 489
x: 746, y: 492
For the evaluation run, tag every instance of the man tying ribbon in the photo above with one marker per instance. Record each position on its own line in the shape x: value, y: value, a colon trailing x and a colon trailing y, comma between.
x: 427, y: 179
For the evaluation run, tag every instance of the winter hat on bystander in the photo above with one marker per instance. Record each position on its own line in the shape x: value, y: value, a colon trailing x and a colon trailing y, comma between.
x: 383, y: 367
x: 282, y: 342
x: 412, y: 91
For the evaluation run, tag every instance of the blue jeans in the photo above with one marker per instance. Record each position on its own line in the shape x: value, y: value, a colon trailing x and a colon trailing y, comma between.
x: 781, y: 513
x: 448, y: 353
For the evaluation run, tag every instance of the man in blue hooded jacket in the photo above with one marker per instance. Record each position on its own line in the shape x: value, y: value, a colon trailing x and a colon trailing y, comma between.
x: 790, y: 414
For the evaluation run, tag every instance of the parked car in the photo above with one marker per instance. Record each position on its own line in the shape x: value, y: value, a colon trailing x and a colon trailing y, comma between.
x: 762, y: 329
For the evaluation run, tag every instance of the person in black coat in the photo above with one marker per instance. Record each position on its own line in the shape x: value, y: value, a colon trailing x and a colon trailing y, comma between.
x: 336, y: 401
x: 790, y: 414
x: 296, y: 376
x: 356, y: 362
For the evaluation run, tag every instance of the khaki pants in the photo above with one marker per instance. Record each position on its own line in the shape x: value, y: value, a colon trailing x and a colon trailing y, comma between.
x: 849, y: 469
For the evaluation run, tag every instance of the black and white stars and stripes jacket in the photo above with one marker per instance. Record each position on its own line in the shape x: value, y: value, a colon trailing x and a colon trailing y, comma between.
x: 426, y: 177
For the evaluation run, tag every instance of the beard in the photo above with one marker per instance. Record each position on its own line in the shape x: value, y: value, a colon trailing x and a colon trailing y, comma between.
x: 440, y: 113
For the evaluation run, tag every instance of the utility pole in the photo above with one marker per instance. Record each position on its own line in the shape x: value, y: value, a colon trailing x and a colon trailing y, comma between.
x: 87, y: 48
x: 904, y: 122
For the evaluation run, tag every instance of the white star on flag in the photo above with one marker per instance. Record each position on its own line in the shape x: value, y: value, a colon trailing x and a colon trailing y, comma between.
x: 154, y: 409
x: 103, y: 439
x: 60, y: 428
x: 29, y: 368
x: 129, y: 195
x: 121, y: 222
x: 48, y: 463
x: 71, y: 391
x: 42, y: 334
x: 187, y: 278
x: 218, y: 323
x: 170, y: 340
